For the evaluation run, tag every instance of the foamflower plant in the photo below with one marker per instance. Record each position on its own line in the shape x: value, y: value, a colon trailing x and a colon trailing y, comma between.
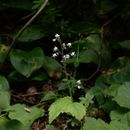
x: 62, y: 51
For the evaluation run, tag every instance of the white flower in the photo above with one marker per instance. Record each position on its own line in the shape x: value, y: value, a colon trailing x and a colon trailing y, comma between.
x: 64, y: 58
x: 69, y: 44
x: 54, y: 40
x: 57, y: 36
x: 54, y: 55
x: 61, y: 61
x: 78, y: 81
x: 55, y: 49
x: 67, y: 56
x: 79, y: 87
x: 72, y: 53
x: 64, y: 46
x: 57, y: 53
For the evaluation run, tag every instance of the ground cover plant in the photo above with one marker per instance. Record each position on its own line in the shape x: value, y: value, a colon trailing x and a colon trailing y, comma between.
x: 64, y: 65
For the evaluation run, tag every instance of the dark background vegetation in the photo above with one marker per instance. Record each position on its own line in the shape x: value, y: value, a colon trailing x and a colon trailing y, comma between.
x: 106, y: 23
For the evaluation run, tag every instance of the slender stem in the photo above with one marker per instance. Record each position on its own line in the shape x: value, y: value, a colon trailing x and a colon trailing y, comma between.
x: 23, y: 28
x: 28, y: 23
x: 62, y: 54
x: 101, y: 47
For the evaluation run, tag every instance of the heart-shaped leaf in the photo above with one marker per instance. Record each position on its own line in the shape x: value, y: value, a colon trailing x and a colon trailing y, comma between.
x: 26, y: 63
x: 32, y: 33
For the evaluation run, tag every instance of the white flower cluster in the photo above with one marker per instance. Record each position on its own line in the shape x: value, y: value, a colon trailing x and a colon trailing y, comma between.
x: 78, y: 84
x: 64, y: 46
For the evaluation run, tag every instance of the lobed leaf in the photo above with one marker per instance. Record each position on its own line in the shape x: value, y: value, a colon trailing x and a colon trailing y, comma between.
x: 26, y: 63
x: 65, y: 105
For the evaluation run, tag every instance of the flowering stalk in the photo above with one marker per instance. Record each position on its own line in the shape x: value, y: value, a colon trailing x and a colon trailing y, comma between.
x: 70, y: 79
x: 64, y: 56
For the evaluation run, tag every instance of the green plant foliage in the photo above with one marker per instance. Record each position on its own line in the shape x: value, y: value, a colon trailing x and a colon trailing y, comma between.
x: 6, y: 124
x: 123, y: 97
x: 87, y: 99
x: 120, y: 116
x: 4, y: 93
x: 23, y: 4
x: 89, y: 50
x: 86, y: 74
x: 37, y: 3
x: 49, y: 96
x: 98, y: 124
x: 39, y: 76
x: 92, y: 123
x: 119, y: 71
x: 88, y: 56
x: 125, y: 44
x: 14, y: 75
x: 105, y: 6
x: 3, y: 51
x: 26, y: 115
x: 113, y: 90
x: 32, y: 33
x: 84, y: 26
x: 66, y: 105
x: 52, y: 67
x: 27, y: 63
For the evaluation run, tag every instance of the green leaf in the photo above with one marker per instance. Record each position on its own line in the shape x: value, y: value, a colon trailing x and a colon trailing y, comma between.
x: 66, y: 105
x: 4, y: 93
x: 24, y: 114
x: 26, y: 63
x: 117, y: 125
x: 98, y: 92
x: 113, y: 89
x: 50, y: 127
x: 4, y: 85
x: 39, y: 76
x: 98, y: 124
x: 93, y: 124
x: 125, y: 44
x: 52, y: 67
x: 6, y: 124
x: 87, y: 99
x: 14, y: 75
x: 84, y: 26
x: 49, y: 96
x: 120, y: 94
x: 31, y: 33
x: 105, y: 6
x: 119, y: 71
x: 109, y: 105
x: 123, y: 95
x: 120, y: 116
x: 89, y: 50
x: 88, y: 56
